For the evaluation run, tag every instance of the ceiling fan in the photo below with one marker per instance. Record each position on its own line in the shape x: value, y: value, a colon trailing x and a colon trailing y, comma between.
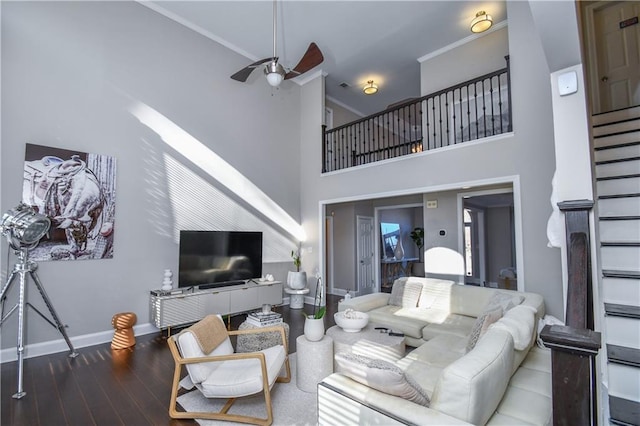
x: 274, y: 71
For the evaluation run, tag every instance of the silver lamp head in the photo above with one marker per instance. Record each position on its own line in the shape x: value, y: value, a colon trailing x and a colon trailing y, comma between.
x: 23, y: 226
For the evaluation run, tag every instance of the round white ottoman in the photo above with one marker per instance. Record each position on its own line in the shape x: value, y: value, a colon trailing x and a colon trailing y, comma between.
x: 296, y: 297
x: 314, y: 362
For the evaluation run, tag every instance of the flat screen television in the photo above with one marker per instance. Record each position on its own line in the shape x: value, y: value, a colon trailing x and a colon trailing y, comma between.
x: 211, y: 259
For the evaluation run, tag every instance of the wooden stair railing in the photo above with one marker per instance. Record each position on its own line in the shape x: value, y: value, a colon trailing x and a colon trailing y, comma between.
x: 575, y: 346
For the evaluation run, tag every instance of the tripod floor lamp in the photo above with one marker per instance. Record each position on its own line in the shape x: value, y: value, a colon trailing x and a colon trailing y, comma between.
x: 24, y: 227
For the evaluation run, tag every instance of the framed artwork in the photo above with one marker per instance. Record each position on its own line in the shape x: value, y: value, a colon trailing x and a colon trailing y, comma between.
x: 76, y: 190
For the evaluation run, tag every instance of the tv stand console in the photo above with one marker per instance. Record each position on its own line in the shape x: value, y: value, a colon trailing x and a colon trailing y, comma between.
x: 176, y: 308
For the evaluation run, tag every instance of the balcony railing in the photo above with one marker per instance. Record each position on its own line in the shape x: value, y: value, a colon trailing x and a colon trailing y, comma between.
x: 475, y: 109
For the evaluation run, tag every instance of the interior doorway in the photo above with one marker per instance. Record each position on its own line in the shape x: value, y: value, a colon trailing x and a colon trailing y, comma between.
x: 487, y: 238
x: 396, y: 251
x: 365, y: 254
x: 612, y: 32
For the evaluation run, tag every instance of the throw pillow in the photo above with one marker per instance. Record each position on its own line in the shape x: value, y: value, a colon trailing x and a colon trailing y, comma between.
x: 481, y: 325
x: 381, y: 375
x: 397, y: 292
x: 502, y: 300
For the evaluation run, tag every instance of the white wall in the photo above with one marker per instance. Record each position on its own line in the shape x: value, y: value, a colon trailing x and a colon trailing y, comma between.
x: 528, y: 154
x: 72, y: 73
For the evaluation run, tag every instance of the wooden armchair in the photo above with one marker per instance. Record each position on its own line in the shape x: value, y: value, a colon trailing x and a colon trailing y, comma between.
x: 224, y: 374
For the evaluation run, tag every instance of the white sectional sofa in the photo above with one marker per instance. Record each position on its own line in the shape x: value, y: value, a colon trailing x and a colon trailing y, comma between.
x: 503, y: 379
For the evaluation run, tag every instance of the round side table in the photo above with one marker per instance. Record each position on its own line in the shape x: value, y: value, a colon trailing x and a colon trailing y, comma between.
x: 296, y: 297
x: 314, y: 362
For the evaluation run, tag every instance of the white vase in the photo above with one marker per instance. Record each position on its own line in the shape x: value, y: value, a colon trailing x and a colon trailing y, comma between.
x: 297, y: 280
x: 167, y: 283
x: 399, y: 251
x: 314, y: 329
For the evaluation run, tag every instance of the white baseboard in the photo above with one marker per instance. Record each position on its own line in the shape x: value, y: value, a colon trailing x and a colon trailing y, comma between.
x: 55, y: 346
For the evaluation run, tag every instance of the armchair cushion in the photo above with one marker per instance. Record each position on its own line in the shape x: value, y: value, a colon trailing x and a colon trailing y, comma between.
x: 190, y: 348
x: 242, y: 377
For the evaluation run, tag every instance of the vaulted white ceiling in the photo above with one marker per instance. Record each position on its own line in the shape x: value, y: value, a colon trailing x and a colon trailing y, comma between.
x: 360, y: 40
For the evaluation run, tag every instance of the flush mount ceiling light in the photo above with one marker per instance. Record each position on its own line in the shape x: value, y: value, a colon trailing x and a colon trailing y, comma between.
x: 371, y: 88
x: 482, y: 22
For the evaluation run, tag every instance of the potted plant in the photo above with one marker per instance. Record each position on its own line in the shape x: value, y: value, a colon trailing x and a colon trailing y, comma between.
x: 417, y: 235
x: 296, y: 280
x: 314, y: 322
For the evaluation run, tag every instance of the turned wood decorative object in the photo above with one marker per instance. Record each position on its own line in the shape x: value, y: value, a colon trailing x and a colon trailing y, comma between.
x: 123, y: 337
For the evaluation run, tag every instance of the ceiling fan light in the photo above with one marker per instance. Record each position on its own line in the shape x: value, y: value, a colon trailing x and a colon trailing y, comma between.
x: 371, y: 88
x: 275, y: 73
x: 482, y: 22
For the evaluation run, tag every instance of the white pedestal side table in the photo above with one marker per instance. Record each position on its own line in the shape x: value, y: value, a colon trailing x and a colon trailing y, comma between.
x: 296, y: 297
x: 314, y: 362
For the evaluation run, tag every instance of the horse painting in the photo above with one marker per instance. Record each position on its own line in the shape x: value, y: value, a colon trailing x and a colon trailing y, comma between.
x: 75, y: 200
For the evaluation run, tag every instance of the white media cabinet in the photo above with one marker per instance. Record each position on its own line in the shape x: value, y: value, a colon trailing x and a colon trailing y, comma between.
x: 176, y: 308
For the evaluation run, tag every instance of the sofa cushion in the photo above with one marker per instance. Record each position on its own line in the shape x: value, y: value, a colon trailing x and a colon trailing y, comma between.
x: 471, y: 387
x: 438, y: 352
x: 503, y: 300
x: 520, y: 323
x: 398, y: 319
x: 381, y: 375
x: 470, y: 300
x: 482, y: 324
x: 457, y: 325
x: 436, y: 294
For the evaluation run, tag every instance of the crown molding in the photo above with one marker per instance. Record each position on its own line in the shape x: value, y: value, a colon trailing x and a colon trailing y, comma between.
x: 463, y: 41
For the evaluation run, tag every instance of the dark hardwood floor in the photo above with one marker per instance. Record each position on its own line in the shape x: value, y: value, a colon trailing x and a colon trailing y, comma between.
x: 105, y: 387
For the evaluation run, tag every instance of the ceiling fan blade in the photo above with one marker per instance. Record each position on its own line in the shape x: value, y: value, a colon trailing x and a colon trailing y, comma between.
x: 311, y: 58
x: 245, y: 72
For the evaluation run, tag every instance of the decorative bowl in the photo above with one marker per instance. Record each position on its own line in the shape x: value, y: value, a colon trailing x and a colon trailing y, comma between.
x: 351, y: 321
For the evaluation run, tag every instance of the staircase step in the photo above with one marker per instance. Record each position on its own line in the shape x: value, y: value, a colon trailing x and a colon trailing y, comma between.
x: 625, y: 184
x: 619, y: 207
x: 623, y: 411
x: 603, y: 142
x: 624, y: 311
x: 623, y: 355
x: 620, y: 258
x: 620, y: 290
x: 615, y: 116
x: 618, y: 177
x: 617, y: 152
x: 616, y: 128
x: 618, y: 217
x: 620, y: 244
x: 624, y: 382
x: 631, y: 167
x: 620, y: 230
x: 634, y: 275
x: 621, y: 331
x: 622, y: 195
x: 617, y: 160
